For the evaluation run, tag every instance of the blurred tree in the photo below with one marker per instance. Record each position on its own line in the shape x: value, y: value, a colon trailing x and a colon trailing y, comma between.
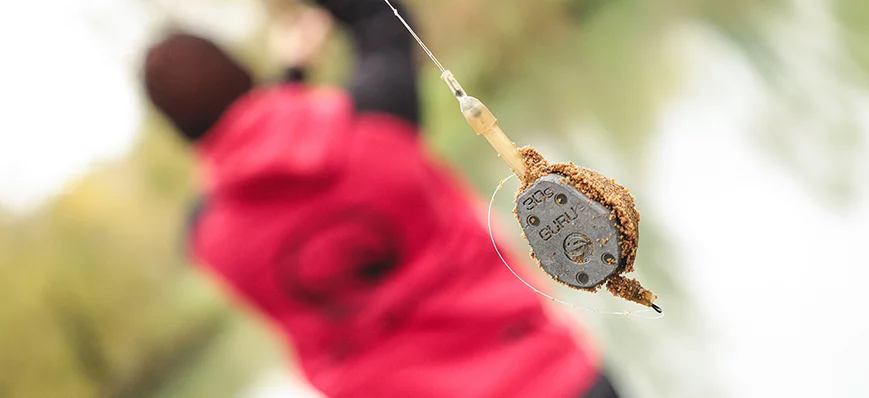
x: 853, y: 15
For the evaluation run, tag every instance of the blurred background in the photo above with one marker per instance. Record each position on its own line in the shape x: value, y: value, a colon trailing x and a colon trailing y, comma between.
x: 742, y: 128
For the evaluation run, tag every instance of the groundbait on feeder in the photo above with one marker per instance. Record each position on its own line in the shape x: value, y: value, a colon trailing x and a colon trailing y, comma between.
x: 583, y: 228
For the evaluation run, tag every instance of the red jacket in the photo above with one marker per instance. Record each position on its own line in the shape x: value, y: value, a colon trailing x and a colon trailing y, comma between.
x: 370, y: 257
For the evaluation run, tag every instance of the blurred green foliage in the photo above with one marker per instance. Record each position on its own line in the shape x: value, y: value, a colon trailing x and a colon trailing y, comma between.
x: 853, y: 15
x: 98, y: 299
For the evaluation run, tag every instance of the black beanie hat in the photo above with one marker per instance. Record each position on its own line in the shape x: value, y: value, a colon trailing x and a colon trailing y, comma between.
x: 192, y: 82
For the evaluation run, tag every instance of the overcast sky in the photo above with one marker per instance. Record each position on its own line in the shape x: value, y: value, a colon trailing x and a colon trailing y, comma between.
x: 69, y: 92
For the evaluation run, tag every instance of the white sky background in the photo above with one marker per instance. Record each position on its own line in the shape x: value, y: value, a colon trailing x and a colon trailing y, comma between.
x: 759, y: 267
x: 65, y: 100
x: 780, y: 274
x: 777, y: 273
x: 69, y: 83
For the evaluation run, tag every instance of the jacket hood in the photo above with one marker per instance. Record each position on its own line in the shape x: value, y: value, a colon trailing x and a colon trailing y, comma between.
x: 285, y: 132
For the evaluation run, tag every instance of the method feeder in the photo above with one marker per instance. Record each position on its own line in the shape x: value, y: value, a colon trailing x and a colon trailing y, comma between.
x: 582, y: 227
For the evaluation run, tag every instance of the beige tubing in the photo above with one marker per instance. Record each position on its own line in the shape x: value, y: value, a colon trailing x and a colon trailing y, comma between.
x: 484, y: 123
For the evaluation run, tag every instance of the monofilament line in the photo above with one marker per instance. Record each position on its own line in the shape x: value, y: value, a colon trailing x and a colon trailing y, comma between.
x: 637, y: 314
x: 418, y: 40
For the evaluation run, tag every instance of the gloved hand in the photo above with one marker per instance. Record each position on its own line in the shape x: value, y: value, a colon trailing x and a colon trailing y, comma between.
x: 297, y: 35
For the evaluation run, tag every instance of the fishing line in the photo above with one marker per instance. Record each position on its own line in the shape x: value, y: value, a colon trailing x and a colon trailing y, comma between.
x: 544, y: 294
x: 418, y: 40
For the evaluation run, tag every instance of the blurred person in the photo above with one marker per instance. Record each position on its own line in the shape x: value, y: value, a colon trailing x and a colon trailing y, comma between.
x: 324, y: 212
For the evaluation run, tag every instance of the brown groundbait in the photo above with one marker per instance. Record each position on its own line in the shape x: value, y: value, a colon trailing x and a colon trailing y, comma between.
x: 591, y: 183
x: 614, y: 197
